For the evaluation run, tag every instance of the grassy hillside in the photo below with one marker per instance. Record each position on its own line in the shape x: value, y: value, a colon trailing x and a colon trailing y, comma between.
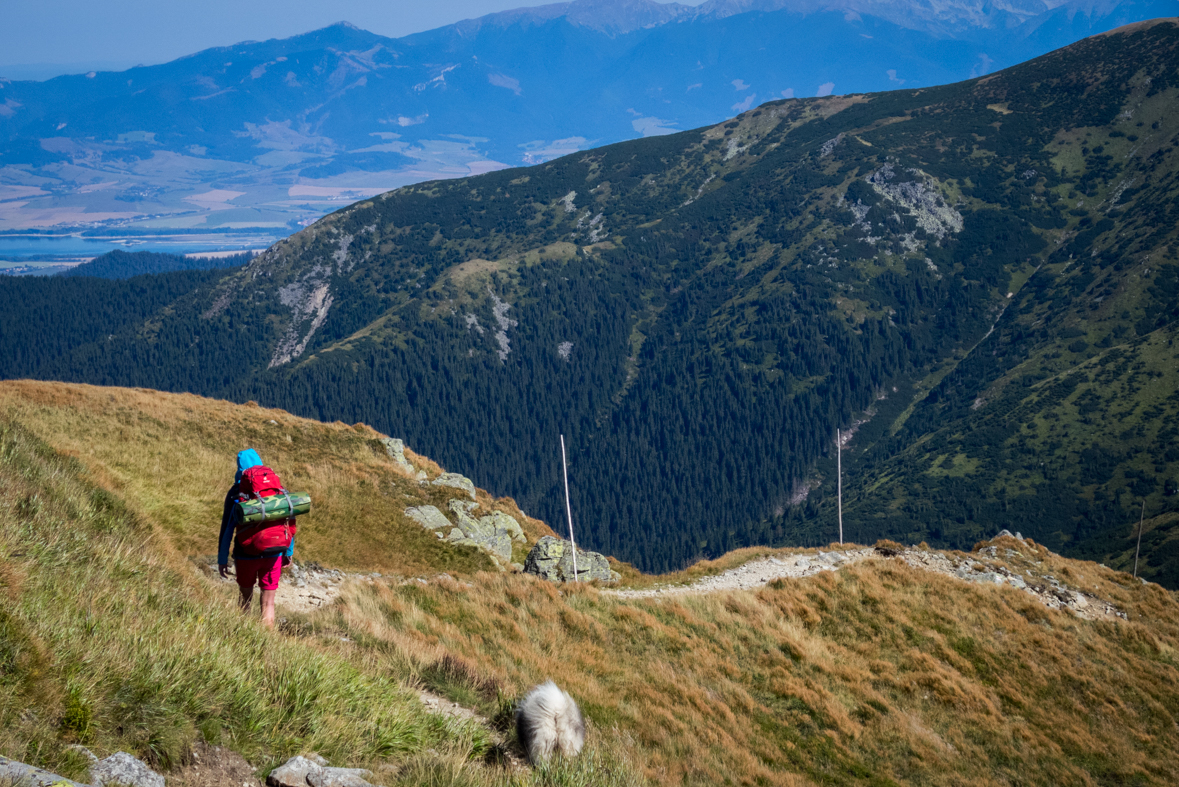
x: 172, y: 458
x: 880, y: 673
x: 1067, y: 452
x: 109, y: 638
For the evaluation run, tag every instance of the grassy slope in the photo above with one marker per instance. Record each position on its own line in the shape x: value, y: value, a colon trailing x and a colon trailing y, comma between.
x: 171, y: 456
x: 106, y: 639
x: 1099, y: 433
x: 111, y: 643
x: 879, y: 674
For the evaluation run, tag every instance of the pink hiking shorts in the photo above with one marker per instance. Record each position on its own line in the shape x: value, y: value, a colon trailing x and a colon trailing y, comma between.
x: 266, y: 571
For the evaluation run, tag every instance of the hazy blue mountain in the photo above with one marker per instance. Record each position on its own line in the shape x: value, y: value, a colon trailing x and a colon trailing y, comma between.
x: 274, y: 133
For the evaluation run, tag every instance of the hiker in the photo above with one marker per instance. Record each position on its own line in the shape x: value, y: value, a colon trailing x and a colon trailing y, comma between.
x: 265, y: 567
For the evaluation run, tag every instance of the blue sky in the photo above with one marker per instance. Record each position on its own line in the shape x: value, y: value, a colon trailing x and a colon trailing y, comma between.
x: 121, y: 33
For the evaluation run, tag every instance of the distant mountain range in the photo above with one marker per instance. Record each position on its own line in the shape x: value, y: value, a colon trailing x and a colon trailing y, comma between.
x: 276, y: 133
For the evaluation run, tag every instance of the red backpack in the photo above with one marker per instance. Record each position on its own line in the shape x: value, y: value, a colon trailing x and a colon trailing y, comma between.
x: 257, y: 482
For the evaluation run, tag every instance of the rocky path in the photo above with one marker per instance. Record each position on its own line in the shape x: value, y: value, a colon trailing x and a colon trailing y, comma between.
x: 991, y: 565
x: 436, y: 703
x: 758, y: 573
x: 307, y: 587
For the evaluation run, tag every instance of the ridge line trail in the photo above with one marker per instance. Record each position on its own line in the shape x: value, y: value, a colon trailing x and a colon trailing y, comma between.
x: 756, y: 573
x: 983, y: 567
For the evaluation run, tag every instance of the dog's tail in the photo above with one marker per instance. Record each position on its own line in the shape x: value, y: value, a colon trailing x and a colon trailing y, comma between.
x: 548, y: 721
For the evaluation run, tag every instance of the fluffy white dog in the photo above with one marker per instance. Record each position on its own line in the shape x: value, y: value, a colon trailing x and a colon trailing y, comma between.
x: 547, y: 721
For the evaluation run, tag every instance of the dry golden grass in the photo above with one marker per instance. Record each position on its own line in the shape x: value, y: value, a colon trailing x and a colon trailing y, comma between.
x: 878, y: 674
x: 171, y: 458
x: 105, y: 640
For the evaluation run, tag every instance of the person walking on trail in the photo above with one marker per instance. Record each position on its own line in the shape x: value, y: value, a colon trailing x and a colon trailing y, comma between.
x: 263, y: 569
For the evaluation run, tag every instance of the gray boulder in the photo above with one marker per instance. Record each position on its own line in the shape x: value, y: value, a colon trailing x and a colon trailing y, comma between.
x: 122, y: 769
x: 292, y: 773
x: 13, y: 772
x: 302, y: 771
x: 479, y: 532
x: 428, y: 517
x: 494, y: 533
x: 395, y: 447
x: 457, y: 481
x: 339, y: 777
x: 552, y: 558
x: 500, y: 545
x: 501, y: 522
x: 463, y: 511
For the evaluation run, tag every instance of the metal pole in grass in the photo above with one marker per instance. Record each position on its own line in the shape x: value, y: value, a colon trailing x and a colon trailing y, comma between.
x: 839, y: 482
x: 568, y: 510
x: 1141, y: 519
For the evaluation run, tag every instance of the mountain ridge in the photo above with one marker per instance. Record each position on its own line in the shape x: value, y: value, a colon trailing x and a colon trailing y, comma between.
x: 273, y: 134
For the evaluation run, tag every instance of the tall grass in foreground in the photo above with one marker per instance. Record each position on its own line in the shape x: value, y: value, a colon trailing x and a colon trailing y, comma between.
x: 103, y: 642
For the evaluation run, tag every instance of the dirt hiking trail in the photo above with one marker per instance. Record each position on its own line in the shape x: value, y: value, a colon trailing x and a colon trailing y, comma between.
x: 999, y: 565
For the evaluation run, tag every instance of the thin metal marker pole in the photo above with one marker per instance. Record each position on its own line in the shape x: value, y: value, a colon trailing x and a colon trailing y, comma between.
x: 1141, y: 519
x: 839, y: 472
x: 568, y: 510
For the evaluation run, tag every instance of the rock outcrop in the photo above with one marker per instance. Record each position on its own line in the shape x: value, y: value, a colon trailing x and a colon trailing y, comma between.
x: 498, y: 520
x: 479, y: 532
x: 457, y: 481
x: 395, y: 447
x: 13, y: 772
x: 430, y: 518
x: 493, y: 533
x: 552, y: 558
